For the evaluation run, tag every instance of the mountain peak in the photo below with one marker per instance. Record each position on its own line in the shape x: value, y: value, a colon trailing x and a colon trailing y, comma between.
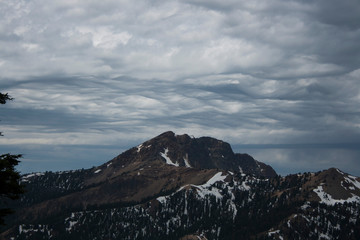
x: 189, y: 152
x: 166, y: 135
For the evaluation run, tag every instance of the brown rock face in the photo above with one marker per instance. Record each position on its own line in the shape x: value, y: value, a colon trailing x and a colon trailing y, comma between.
x: 201, y: 153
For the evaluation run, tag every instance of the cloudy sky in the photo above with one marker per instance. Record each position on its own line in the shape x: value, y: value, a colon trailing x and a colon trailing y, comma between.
x: 277, y: 79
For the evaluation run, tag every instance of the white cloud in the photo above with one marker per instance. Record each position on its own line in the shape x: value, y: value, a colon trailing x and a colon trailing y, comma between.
x: 30, y: 47
x: 172, y: 40
x: 105, y: 38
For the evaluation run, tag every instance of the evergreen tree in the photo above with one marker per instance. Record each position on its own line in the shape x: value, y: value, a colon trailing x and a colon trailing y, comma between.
x: 3, y: 98
x: 10, y: 187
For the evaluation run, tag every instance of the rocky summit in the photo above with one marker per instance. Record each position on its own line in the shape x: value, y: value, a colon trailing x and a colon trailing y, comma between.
x: 181, y: 187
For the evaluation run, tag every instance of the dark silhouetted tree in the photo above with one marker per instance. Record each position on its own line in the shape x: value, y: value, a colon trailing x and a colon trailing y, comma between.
x: 3, y: 98
x: 10, y: 187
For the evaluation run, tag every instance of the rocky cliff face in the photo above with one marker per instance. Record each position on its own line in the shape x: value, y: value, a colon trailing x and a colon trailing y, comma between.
x: 178, y: 187
x: 200, y: 153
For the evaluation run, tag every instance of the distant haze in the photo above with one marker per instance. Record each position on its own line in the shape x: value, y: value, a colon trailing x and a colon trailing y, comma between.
x: 277, y: 79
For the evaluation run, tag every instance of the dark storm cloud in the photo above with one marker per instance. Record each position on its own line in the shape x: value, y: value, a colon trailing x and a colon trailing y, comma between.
x: 115, y: 73
x: 306, y: 158
x: 344, y: 14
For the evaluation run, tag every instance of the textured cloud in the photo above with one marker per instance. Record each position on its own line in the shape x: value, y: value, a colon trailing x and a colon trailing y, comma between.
x: 272, y: 39
x: 115, y: 73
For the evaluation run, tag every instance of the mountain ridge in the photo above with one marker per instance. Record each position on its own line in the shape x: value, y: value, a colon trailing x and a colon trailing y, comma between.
x: 203, y: 152
x: 189, y: 179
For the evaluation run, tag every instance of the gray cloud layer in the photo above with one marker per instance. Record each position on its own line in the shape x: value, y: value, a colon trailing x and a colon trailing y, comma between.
x: 115, y: 73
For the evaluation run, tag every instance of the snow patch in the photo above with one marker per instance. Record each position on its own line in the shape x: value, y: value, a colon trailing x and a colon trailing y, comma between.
x: 305, y: 206
x: 97, y: 171
x: 186, y: 204
x: 139, y: 148
x: 273, y: 232
x: 328, y: 200
x: 186, y: 161
x: 216, y: 178
x: 73, y: 220
x: 162, y: 199
x: 339, y: 171
x: 234, y: 209
x: 203, y: 189
x: 30, y: 228
x: 353, y: 181
x: 324, y: 236
x: 244, y: 186
x: 167, y: 159
x: 32, y: 175
x: 71, y: 225
x: 241, y: 171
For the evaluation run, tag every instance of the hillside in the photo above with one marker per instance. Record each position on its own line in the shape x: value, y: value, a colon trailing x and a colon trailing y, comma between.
x: 178, y: 187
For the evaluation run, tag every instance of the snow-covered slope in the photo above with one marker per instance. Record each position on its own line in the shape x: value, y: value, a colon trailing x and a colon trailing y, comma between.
x: 229, y: 205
